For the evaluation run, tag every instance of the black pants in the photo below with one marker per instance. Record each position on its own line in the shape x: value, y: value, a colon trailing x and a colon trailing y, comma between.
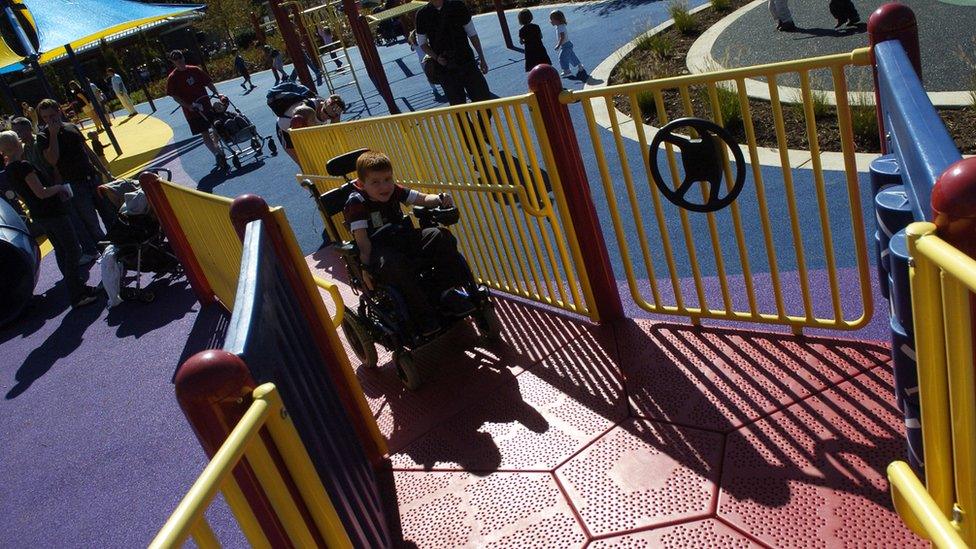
x: 67, y: 252
x: 400, y: 255
x: 463, y: 83
x: 843, y: 10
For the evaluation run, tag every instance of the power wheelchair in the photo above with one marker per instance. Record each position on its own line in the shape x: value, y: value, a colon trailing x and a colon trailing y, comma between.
x: 382, y: 315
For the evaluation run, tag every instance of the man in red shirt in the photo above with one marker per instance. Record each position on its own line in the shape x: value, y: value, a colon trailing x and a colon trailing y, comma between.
x: 188, y: 85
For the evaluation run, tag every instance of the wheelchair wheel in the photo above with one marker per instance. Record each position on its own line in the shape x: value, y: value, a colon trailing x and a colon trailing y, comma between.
x: 359, y: 339
x: 407, y: 370
x: 489, y: 327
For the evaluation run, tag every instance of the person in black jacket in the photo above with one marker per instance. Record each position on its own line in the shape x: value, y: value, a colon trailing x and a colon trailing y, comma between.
x: 844, y: 12
x: 530, y: 36
x: 444, y: 29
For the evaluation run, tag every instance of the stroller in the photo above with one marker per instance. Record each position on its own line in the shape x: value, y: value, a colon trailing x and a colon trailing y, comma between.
x: 134, y: 244
x: 235, y: 132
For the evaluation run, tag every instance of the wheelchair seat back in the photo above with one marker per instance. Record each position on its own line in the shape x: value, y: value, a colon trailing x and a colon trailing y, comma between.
x: 335, y: 200
x: 344, y: 163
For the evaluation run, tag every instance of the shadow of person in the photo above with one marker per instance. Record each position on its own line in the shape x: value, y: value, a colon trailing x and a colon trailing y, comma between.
x: 63, y: 341
x: 174, y: 300
x: 40, y: 309
x: 816, y: 32
x: 215, y: 178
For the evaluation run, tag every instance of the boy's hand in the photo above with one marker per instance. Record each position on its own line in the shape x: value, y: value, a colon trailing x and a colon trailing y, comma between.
x: 446, y: 201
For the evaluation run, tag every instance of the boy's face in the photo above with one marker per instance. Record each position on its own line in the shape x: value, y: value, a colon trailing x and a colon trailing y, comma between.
x: 378, y: 185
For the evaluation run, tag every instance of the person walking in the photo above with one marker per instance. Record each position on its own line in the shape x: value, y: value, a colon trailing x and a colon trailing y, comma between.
x: 780, y: 9
x: 81, y: 103
x: 188, y: 85
x: 243, y: 70
x: 325, y: 33
x: 118, y: 86
x: 844, y: 12
x: 530, y: 36
x: 567, y: 55
x: 444, y: 31
x: 277, y: 63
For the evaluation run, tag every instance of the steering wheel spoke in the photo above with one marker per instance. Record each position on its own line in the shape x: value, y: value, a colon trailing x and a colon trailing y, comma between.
x: 707, y: 165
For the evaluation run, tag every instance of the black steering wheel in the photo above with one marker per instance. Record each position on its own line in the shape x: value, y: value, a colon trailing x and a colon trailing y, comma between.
x: 702, y: 160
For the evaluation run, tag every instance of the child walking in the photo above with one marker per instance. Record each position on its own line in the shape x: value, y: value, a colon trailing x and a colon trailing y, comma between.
x: 530, y: 36
x: 567, y: 57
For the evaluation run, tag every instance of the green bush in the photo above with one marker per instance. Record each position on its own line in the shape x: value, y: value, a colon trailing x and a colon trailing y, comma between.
x: 728, y: 105
x: 658, y: 44
x: 821, y: 105
x: 864, y: 122
x: 645, y: 101
x: 630, y: 70
x: 684, y: 22
x: 722, y: 5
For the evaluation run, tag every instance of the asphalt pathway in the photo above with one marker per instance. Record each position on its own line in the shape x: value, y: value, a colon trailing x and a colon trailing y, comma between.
x: 946, y: 36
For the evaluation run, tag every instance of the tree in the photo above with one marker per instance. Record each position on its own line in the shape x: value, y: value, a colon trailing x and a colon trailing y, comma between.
x: 224, y: 16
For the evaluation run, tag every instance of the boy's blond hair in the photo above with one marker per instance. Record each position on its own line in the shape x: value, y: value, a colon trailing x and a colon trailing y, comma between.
x: 8, y: 140
x: 372, y: 161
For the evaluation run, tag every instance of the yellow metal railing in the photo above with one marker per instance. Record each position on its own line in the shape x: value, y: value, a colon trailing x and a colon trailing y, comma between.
x: 266, y: 411
x: 943, y: 284
x: 723, y: 238
x: 495, y: 160
x: 205, y: 220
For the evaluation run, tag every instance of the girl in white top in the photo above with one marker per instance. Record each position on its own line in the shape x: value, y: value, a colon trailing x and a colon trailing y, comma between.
x: 567, y: 57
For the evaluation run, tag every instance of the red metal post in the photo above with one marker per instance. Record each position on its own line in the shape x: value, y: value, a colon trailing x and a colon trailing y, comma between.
x: 954, y: 210
x: 287, y: 30
x: 367, y: 48
x: 507, y: 34
x: 892, y: 21
x: 211, y: 387
x: 177, y: 239
x: 544, y: 81
x: 310, y: 47
x: 249, y: 207
x: 258, y: 30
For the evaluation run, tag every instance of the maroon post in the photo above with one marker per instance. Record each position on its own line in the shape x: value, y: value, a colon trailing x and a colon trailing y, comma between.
x: 954, y: 210
x: 544, y: 81
x: 212, y: 387
x: 258, y: 30
x: 292, y: 44
x: 371, y: 58
x: 304, y: 36
x: 892, y: 21
x: 504, y: 24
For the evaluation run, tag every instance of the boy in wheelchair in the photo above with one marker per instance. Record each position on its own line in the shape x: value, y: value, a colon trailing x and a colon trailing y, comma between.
x: 396, y: 253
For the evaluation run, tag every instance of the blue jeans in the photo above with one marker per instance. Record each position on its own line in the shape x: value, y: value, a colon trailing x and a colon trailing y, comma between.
x: 67, y: 252
x: 90, y: 206
x: 567, y: 57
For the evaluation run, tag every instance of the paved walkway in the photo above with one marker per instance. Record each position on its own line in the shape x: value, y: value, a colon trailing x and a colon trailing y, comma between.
x: 945, y: 34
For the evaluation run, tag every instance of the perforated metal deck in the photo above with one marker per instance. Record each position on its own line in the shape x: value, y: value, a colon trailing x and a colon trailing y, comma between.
x: 640, y: 434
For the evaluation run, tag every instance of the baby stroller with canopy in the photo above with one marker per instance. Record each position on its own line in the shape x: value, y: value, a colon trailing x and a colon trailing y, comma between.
x: 235, y: 131
x: 135, y: 244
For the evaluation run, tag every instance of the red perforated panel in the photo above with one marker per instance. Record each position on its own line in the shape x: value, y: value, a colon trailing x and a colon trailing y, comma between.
x: 531, y: 422
x: 641, y: 474
x: 710, y: 534
x: 720, y: 379
x: 499, y: 510
x: 812, y: 475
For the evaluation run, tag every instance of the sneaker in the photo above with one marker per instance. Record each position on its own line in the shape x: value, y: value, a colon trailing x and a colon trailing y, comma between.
x: 581, y: 73
x: 427, y: 326
x: 455, y: 303
x: 86, y: 299
x: 85, y: 259
x: 565, y: 73
x: 788, y: 26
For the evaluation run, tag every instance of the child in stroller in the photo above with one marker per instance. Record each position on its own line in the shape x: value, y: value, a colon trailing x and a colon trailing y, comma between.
x: 234, y: 129
x: 135, y: 242
x: 414, y: 282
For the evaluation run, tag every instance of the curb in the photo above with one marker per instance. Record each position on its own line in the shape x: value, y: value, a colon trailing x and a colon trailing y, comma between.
x: 767, y: 156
